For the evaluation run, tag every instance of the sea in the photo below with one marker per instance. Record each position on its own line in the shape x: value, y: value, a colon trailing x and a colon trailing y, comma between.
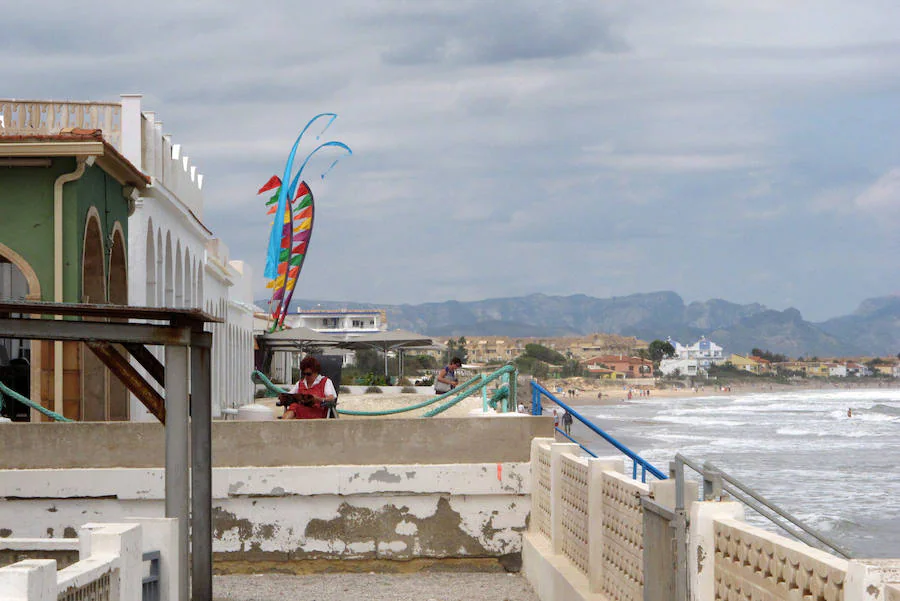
x: 799, y: 449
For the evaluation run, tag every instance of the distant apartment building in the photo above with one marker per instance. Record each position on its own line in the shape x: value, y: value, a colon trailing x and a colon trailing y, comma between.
x: 345, y: 323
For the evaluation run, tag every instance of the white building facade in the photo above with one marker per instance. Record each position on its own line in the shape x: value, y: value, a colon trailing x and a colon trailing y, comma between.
x: 174, y: 260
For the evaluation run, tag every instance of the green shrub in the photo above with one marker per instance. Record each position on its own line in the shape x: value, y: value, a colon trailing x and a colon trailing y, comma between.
x: 373, y: 389
x: 408, y: 390
x: 404, y: 381
x: 344, y: 390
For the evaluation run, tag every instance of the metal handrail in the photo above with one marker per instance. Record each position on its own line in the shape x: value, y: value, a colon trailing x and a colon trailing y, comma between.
x: 715, y: 480
x: 537, y: 390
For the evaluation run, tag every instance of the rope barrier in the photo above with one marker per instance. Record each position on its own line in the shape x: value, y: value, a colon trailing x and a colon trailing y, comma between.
x: 463, y: 391
x: 4, y: 390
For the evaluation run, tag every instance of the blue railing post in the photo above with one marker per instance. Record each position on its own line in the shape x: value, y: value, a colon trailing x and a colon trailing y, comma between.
x: 537, y: 391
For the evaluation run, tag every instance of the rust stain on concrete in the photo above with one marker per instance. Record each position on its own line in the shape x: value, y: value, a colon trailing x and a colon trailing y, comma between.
x: 5, y: 532
x: 438, y: 535
x: 247, y: 532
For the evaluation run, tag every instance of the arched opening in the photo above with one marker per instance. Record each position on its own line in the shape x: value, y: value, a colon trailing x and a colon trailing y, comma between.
x: 188, y: 275
x: 170, y: 283
x: 93, y: 374
x: 118, y: 295
x: 19, y: 359
x: 179, y: 277
x: 150, y: 300
x: 160, y: 271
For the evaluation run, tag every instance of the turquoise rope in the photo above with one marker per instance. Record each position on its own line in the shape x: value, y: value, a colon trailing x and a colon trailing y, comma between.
x: 260, y: 378
x: 15, y: 395
x: 467, y: 393
x: 461, y: 392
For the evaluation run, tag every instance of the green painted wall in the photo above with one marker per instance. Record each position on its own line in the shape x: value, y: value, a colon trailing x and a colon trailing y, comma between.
x: 26, y: 218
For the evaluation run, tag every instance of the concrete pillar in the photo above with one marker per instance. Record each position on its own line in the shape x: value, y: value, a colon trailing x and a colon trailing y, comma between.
x: 177, y: 455
x: 29, y: 580
x: 702, y: 548
x: 117, y: 540
x: 866, y: 578
x: 131, y: 129
x: 161, y: 534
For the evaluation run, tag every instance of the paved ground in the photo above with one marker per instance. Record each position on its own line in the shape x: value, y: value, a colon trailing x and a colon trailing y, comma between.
x: 422, y: 586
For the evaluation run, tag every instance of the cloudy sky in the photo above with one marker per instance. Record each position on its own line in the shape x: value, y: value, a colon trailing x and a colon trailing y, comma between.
x: 745, y: 150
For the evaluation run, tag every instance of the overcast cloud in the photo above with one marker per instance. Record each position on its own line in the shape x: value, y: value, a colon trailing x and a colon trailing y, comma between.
x: 740, y: 150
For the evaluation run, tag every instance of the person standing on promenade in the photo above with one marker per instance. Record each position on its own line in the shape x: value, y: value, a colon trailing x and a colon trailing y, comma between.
x: 446, y: 379
x: 567, y: 423
x: 310, y: 394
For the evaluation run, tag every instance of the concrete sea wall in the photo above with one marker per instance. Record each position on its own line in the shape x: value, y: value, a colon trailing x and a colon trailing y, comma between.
x: 289, y: 491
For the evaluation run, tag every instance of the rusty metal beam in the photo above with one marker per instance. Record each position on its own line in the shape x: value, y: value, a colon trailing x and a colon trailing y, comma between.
x: 128, y: 375
x: 148, y: 361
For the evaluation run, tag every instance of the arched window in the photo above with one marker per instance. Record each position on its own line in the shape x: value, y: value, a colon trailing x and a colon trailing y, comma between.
x: 118, y: 295
x: 169, y: 296
x: 179, y: 277
x: 151, y: 266
x: 93, y: 290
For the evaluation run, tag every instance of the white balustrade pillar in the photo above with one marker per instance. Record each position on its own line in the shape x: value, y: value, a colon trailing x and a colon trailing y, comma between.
x: 161, y: 534
x: 596, y: 467
x: 29, y: 580
x: 131, y: 128
x: 117, y: 540
x: 866, y: 578
x: 556, y: 451
x: 702, y: 548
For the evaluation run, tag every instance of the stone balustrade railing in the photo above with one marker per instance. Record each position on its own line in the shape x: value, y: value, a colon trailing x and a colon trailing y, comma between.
x: 137, y: 135
x: 24, y: 117
x: 596, y: 534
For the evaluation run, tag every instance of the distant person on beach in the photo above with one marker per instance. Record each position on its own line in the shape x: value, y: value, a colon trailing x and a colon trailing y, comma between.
x: 555, y: 418
x: 849, y: 412
x: 521, y: 408
x: 446, y: 379
x: 310, y: 394
x: 567, y: 423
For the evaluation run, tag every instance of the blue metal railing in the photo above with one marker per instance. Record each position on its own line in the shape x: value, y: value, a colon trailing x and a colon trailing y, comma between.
x: 536, y: 408
x: 150, y: 585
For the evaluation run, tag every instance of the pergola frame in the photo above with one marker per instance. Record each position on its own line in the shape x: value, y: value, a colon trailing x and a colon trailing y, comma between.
x: 187, y: 401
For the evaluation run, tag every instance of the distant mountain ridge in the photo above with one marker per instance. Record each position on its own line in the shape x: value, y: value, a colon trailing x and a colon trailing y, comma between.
x: 873, y: 329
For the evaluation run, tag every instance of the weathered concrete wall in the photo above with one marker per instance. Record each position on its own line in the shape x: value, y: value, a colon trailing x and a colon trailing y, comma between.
x: 296, y: 443
x: 280, y: 514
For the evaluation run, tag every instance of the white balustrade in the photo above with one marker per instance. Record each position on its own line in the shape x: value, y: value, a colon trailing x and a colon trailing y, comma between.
x: 43, y: 117
x: 110, y: 568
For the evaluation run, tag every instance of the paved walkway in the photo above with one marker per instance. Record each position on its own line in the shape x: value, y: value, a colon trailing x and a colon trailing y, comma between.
x: 421, y: 586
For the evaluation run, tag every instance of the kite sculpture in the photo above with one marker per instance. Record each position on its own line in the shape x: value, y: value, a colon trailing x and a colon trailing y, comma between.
x: 293, y: 208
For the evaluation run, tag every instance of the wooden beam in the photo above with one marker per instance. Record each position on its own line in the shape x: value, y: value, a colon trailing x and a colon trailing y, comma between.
x: 128, y: 375
x: 148, y: 361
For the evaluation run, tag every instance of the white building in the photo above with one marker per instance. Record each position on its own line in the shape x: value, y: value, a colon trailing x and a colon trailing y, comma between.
x: 705, y: 351
x: 174, y: 260
x: 836, y: 370
x: 683, y: 367
x: 345, y: 323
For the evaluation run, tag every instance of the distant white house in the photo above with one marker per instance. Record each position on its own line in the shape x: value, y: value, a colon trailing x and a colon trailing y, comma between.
x: 704, y: 351
x: 836, y: 370
x: 683, y: 367
x: 345, y: 323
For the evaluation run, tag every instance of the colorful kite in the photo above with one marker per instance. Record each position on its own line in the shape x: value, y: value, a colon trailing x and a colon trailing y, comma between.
x: 293, y: 209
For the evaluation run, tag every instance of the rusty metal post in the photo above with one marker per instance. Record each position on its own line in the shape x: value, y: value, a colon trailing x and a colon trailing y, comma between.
x: 177, y: 456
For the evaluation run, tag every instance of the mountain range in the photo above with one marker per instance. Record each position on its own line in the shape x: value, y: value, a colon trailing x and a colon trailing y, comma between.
x: 873, y: 329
